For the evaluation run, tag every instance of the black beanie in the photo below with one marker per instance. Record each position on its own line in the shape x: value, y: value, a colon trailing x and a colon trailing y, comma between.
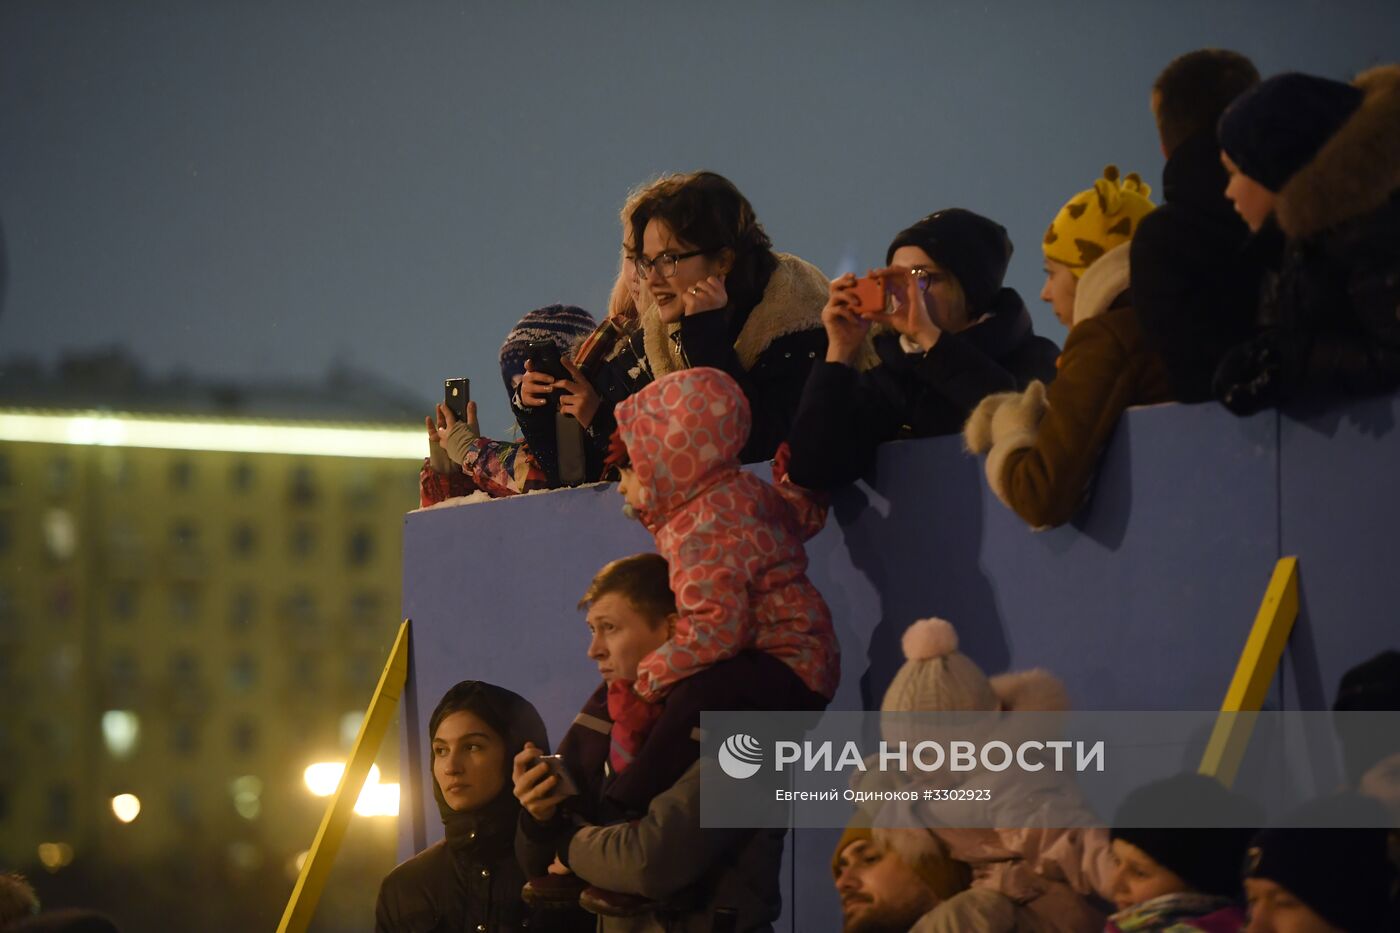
x: 974, y: 249
x: 1276, y: 127
x: 1207, y: 858
x: 1371, y: 686
x: 1343, y: 875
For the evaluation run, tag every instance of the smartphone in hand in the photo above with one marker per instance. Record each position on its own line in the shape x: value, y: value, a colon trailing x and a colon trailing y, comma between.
x: 871, y: 297
x: 544, y: 357
x: 455, y: 395
x: 566, y: 784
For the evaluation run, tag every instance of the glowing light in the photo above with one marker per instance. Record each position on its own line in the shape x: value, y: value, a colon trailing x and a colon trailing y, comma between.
x: 127, y: 807
x: 112, y: 430
x: 121, y: 728
x: 350, y: 728
x: 55, y: 855
x: 247, y: 796
x: 323, y: 777
x: 378, y: 800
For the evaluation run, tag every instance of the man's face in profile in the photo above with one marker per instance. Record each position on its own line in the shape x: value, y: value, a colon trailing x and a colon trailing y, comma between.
x: 879, y: 892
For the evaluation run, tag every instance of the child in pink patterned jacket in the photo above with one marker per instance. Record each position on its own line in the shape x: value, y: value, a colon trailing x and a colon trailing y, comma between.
x: 753, y: 632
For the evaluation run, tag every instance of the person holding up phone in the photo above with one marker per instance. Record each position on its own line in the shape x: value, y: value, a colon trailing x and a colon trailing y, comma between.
x: 950, y: 334
x: 461, y: 461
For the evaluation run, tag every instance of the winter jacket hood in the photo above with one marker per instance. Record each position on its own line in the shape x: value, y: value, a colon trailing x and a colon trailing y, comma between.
x: 1357, y: 171
x: 792, y: 302
x: 683, y: 434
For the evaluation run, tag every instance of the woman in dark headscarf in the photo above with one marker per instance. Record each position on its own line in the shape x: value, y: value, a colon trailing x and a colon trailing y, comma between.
x: 469, y: 880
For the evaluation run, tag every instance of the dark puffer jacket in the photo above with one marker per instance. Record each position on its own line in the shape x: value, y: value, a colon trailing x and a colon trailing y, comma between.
x: 470, y: 880
x: 846, y: 414
x: 1331, y: 313
x: 1196, y: 271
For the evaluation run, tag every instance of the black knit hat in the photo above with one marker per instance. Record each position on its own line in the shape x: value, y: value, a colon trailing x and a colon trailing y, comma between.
x: 1343, y: 875
x: 1275, y: 128
x: 1371, y: 686
x: 974, y: 249
x: 1206, y: 858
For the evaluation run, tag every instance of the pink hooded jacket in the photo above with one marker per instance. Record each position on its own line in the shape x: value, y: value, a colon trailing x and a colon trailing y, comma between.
x: 734, y: 542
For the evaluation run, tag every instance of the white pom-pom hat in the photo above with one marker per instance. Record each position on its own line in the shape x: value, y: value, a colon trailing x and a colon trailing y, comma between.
x: 936, y: 676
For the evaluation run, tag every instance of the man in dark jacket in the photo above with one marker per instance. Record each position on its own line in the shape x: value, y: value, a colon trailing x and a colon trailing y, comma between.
x: 1195, y: 280
x: 959, y: 337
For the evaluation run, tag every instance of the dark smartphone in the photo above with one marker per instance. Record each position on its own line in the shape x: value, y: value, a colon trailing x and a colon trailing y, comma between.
x: 565, y: 785
x: 544, y: 357
x: 455, y: 395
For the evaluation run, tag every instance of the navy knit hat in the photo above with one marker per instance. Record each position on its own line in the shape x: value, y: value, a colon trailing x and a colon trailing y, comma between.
x: 1344, y: 875
x: 1207, y: 858
x: 1275, y: 128
x: 566, y: 325
x: 1371, y: 686
x: 974, y: 249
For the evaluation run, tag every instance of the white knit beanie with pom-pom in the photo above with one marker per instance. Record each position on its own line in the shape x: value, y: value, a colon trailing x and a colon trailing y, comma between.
x: 936, y: 676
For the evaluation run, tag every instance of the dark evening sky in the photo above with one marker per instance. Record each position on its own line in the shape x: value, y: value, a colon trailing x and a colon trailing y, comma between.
x: 258, y: 189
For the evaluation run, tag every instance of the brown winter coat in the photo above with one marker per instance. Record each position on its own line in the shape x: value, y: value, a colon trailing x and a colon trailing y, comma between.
x: 1043, y: 445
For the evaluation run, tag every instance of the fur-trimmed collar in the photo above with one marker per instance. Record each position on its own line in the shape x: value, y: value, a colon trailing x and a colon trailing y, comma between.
x: 1102, y: 283
x: 1357, y: 170
x: 792, y: 302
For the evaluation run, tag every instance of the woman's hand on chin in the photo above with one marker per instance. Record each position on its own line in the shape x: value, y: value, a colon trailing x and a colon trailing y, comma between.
x: 706, y: 295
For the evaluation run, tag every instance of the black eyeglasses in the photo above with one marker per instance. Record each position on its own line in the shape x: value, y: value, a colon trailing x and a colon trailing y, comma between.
x: 665, y: 263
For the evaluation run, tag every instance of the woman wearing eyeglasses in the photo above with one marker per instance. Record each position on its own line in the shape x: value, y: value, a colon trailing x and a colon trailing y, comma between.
x: 953, y: 336
x: 711, y: 292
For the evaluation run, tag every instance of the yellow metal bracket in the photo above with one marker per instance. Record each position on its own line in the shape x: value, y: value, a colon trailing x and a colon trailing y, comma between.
x: 301, y: 906
x: 1253, y: 674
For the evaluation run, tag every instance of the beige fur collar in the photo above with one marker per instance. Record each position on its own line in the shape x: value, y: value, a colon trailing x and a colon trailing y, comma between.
x: 1102, y: 283
x: 1357, y: 170
x: 791, y: 303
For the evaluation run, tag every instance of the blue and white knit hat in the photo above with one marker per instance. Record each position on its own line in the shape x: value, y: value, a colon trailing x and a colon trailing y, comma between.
x: 566, y: 325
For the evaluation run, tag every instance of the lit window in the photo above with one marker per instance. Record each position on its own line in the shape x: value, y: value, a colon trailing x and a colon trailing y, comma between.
x: 60, y: 534
x: 247, y: 795
x: 121, y: 730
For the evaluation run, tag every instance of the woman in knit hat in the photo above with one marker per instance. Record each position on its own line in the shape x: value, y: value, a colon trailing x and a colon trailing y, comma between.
x: 956, y: 336
x: 1180, y: 879
x: 1043, y: 445
x: 1321, y: 160
x: 1049, y: 875
x: 554, y: 452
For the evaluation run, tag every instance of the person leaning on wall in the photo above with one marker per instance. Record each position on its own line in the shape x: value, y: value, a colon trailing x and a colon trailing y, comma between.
x: 1319, y: 159
x: 956, y: 335
x: 1195, y: 272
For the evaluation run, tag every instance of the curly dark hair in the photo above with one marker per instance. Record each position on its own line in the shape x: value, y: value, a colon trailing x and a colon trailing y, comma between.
x: 706, y: 211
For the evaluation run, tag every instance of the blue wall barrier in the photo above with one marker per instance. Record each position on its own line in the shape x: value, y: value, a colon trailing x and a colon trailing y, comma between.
x: 1143, y: 602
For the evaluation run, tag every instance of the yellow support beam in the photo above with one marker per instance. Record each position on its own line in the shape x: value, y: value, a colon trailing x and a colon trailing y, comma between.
x: 301, y: 906
x: 1255, y: 671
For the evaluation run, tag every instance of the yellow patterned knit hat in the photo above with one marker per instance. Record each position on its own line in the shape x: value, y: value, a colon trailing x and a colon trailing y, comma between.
x: 1097, y: 220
